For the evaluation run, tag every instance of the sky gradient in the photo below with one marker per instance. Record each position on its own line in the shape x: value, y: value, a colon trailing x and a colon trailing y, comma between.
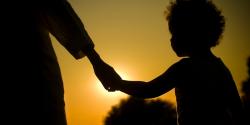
x: 133, y: 37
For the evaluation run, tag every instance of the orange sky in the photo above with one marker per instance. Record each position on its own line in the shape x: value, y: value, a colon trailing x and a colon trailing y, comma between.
x: 133, y: 37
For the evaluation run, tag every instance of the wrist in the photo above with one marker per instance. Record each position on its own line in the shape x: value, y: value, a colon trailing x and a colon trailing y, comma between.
x: 88, y: 49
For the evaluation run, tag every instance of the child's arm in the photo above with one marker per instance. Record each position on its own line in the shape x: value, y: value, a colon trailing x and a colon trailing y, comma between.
x: 112, y: 81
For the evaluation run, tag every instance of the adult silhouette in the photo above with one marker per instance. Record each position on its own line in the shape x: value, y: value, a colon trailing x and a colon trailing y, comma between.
x: 33, y: 91
x: 205, y: 91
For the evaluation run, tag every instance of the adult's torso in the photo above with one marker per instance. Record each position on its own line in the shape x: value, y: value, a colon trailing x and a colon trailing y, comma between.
x: 31, y: 77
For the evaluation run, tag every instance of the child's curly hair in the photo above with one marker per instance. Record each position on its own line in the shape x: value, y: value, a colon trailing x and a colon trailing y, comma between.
x: 197, y: 17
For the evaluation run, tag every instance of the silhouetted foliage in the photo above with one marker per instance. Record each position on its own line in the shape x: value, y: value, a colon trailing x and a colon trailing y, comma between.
x: 135, y: 111
x: 246, y: 94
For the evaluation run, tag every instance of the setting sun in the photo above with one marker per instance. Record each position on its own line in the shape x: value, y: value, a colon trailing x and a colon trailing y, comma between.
x: 117, y: 95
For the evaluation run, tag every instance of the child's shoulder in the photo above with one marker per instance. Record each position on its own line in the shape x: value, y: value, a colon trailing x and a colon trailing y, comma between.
x: 184, y: 62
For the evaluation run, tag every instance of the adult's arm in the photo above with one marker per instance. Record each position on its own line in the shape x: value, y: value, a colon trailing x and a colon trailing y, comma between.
x: 63, y: 23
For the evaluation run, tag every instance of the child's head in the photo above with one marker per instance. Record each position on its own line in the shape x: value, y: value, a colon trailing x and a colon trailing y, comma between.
x: 195, y: 25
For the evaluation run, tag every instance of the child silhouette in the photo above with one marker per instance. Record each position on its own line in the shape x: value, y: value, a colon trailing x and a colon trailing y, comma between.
x: 205, y: 91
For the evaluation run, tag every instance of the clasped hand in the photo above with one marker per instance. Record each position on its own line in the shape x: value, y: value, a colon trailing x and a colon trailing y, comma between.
x: 109, y: 78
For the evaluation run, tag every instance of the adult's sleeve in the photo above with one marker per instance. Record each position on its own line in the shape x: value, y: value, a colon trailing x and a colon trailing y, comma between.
x: 63, y: 23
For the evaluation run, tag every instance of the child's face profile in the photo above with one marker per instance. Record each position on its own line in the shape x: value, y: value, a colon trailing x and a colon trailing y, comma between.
x: 180, y: 41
